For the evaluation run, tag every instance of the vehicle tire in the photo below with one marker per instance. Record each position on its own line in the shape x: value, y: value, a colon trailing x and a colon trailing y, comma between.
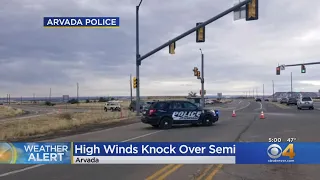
x: 155, y: 126
x: 298, y: 108
x: 105, y: 109
x: 312, y: 108
x: 165, y: 123
x: 207, y: 121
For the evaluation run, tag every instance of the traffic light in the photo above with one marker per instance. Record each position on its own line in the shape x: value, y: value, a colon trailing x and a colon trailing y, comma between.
x: 201, y: 35
x: 303, y: 69
x: 195, y: 71
x: 135, y: 83
x: 278, y: 70
x: 198, y: 74
x: 252, y: 11
x: 172, y: 48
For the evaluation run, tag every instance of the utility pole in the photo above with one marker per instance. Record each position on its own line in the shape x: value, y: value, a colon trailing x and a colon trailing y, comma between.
x: 263, y: 92
x: 78, y: 93
x: 138, y: 62
x: 9, y: 100
x: 50, y: 95
x: 21, y: 100
x: 34, y: 98
x: 272, y: 89
x: 291, y: 83
x: 202, y: 80
x: 130, y: 88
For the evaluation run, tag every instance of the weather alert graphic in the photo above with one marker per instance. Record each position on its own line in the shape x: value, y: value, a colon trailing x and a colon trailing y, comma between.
x: 8, y: 153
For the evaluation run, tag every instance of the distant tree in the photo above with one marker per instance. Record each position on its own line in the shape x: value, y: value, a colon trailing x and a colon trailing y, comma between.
x: 102, y: 99
x: 87, y: 101
x: 192, y: 94
x: 73, y: 101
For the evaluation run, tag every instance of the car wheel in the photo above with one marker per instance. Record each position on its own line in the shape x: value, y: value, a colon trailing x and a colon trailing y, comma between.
x: 155, y: 126
x: 312, y: 108
x: 165, y: 123
x: 106, y: 109
x: 207, y: 121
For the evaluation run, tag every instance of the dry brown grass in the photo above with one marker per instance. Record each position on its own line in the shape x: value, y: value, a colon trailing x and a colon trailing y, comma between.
x: 50, y: 124
x: 7, y: 111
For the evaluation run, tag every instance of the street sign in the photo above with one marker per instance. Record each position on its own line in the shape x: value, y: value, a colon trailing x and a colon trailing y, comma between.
x: 240, y: 13
x: 283, y: 67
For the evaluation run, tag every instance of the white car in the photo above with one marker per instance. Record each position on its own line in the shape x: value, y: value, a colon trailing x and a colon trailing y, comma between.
x: 305, y: 102
x: 113, y: 106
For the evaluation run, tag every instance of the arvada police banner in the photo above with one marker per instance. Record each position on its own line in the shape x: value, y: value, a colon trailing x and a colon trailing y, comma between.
x: 81, y: 22
x: 159, y: 153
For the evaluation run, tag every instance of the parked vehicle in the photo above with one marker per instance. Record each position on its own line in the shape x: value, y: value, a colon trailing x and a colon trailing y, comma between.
x: 305, y: 102
x: 112, y: 106
x: 292, y: 101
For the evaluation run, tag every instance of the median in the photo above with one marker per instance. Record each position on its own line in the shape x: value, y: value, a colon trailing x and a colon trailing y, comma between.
x: 62, y: 123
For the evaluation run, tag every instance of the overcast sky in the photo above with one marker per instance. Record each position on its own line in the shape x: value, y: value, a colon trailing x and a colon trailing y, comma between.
x: 239, y: 55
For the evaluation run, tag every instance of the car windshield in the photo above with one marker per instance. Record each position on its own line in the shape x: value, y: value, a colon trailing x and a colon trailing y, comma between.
x: 306, y: 99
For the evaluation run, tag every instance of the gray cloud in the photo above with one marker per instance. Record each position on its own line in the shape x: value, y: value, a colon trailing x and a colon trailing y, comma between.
x: 239, y: 55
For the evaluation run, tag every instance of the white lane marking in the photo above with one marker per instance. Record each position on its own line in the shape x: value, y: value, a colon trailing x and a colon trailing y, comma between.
x: 243, y: 107
x: 138, y: 137
x: 39, y: 165
x: 260, y: 106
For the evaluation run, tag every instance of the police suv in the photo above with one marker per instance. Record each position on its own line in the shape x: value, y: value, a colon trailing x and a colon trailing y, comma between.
x: 165, y: 114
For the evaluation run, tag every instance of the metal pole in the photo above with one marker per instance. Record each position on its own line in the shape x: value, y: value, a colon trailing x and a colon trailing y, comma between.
x: 9, y: 100
x: 291, y: 83
x: 138, y: 62
x: 130, y: 88
x: 263, y: 92
x: 312, y: 63
x: 272, y: 89
x: 50, y: 95
x: 202, y: 80
x: 236, y: 7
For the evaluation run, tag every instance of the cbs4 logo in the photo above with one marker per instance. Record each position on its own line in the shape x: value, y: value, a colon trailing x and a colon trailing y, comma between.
x: 275, y: 151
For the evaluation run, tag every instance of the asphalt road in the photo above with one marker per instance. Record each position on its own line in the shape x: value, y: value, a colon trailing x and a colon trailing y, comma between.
x: 281, y: 121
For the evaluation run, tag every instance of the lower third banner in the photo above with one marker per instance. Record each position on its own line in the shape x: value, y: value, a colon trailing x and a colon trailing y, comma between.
x: 159, y: 153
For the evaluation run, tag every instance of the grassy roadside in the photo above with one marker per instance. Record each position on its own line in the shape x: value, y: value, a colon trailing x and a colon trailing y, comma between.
x: 7, y: 111
x: 60, y: 124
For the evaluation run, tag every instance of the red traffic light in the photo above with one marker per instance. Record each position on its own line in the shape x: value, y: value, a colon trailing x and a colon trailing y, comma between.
x: 278, y: 70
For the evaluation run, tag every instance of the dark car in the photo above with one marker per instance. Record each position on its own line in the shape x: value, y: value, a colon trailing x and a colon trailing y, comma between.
x: 266, y: 100
x: 292, y: 101
x: 132, y: 106
x: 165, y: 114
x: 283, y: 100
x: 258, y: 100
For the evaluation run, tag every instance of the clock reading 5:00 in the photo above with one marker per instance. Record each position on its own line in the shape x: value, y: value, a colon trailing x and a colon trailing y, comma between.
x: 275, y: 140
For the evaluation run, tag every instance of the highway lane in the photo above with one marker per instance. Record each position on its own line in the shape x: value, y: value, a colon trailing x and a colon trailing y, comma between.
x: 279, y: 123
x: 135, y: 132
x: 246, y: 126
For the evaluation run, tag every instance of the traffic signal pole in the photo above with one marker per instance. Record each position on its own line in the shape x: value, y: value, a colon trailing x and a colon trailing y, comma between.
x: 202, y: 80
x: 141, y: 58
x: 138, y: 62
